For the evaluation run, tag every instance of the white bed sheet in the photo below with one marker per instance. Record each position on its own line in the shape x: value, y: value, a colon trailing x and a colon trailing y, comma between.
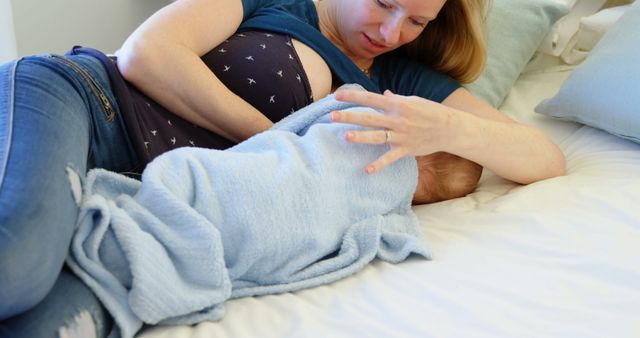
x: 558, y: 258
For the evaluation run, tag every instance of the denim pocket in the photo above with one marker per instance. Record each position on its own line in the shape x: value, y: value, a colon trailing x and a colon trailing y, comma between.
x: 109, y: 111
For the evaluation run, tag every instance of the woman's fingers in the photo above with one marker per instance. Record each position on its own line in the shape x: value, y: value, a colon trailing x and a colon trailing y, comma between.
x: 365, y: 98
x: 364, y: 119
x: 377, y: 137
x: 394, y: 126
x: 385, y: 160
x: 369, y: 136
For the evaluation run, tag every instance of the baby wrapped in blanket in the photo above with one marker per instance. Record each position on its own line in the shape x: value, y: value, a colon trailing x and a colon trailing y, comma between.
x: 289, y: 208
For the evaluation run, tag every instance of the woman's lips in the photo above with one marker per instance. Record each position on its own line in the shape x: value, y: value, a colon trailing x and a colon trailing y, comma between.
x: 372, y: 45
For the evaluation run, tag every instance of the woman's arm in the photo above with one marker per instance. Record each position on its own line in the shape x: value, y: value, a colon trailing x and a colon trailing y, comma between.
x: 463, y: 125
x: 512, y: 150
x: 162, y: 58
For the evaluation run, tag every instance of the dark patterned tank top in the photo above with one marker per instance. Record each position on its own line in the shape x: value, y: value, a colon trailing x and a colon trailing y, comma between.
x: 260, y: 67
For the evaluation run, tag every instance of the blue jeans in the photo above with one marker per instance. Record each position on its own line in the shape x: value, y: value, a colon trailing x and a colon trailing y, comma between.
x: 52, y: 123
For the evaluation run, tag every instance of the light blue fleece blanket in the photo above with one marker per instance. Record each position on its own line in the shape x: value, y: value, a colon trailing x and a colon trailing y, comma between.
x: 288, y: 209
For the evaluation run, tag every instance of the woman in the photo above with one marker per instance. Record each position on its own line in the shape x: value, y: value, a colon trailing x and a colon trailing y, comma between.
x: 420, y: 127
x: 363, y: 30
x: 336, y: 41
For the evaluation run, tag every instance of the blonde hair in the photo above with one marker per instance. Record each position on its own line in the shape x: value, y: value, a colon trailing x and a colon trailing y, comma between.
x: 443, y: 176
x: 455, y: 42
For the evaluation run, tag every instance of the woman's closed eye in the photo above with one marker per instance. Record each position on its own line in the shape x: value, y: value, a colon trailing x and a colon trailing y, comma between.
x: 419, y: 23
x: 383, y: 4
x: 416, y: 22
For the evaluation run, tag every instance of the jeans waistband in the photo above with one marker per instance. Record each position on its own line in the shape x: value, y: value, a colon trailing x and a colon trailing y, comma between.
x: 110, y: 146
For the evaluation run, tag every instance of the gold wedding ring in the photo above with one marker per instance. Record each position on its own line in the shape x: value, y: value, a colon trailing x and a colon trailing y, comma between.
x: 387, y: 134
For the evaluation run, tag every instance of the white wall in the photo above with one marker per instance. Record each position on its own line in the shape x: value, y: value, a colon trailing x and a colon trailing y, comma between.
x: 43, y: 26
x: 7, y: 35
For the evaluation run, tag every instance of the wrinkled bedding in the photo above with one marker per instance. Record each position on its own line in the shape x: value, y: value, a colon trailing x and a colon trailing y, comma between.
x: 558, y: 258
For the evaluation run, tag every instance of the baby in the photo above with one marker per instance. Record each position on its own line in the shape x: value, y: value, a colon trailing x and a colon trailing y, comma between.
x: 286, y: 209
x: 443, y: 176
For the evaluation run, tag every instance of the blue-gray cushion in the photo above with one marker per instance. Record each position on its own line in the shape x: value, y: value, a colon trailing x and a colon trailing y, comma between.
x: 515, y: 28
x: 604, y: 91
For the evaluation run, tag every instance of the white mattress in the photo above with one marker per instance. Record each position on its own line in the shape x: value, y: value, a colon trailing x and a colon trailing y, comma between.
x: 558, y: 258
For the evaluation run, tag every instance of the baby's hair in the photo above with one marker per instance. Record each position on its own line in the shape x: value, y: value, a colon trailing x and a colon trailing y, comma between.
x: 443, y: 176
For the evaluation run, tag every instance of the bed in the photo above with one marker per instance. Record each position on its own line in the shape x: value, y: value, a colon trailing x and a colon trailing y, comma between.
x: 558, y: 258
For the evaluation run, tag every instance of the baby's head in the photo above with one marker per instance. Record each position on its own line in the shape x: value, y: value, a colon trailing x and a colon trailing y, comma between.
x: 443, y: 176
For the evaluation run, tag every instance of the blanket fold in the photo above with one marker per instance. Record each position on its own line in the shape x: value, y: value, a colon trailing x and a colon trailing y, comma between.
x: 288, y: 209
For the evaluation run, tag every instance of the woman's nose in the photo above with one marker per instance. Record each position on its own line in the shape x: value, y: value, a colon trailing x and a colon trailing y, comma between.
x: 390, y: 31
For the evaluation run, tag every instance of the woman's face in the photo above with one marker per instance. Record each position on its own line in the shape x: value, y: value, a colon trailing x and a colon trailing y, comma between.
x: 369, y: 28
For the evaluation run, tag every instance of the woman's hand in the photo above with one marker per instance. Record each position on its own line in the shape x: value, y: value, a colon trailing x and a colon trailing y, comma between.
x: 462, y: 125
x: 413, y: 126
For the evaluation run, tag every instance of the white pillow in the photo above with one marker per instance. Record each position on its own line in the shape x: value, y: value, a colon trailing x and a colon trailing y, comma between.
x: 566, y: 27
x: 603, y: 92
x: 551, y: 39
x: 591, y: 30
